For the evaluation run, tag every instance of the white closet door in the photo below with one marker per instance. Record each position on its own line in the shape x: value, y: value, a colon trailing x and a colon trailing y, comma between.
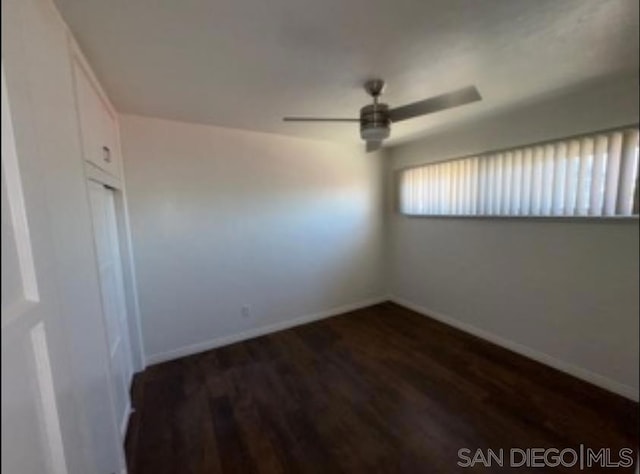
x: 113, y: 299
x: 35, y: 362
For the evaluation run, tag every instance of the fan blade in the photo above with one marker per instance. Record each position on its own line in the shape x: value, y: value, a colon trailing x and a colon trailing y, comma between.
x: 435, y: 104
x: 373, y: 145
x: 319, y: 119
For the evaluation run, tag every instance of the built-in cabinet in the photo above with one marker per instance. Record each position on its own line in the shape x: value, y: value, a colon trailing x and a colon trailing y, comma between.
x: 101, y: 149
x: 99, y: 137
x: 98, y: 123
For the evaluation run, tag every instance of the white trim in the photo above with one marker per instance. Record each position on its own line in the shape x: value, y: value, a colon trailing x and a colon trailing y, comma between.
x: 259, y: 331
x: 579, y: 372
x: 15, y: 198
x: 50, y: 418
x: 124, y: 423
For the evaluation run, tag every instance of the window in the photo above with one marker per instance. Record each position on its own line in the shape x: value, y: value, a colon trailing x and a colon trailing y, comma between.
x: 595, y: 175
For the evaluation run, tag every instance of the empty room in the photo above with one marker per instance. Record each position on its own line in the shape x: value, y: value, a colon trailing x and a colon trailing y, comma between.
x: 338, y: 236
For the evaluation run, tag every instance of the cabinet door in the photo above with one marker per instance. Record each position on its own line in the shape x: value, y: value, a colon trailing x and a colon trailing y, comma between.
x: 110, y: 144
x: 98, y: 126
x: 105, y: 230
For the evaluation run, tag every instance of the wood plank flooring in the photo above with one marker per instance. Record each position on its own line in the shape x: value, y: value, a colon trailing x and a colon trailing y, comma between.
x: 379, y: 390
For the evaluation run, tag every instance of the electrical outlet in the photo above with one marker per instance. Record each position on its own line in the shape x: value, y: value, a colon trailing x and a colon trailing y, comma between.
x: 246, y: 311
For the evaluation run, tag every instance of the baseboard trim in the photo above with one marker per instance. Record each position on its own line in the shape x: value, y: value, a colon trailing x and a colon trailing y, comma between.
x: 259, y: 331
x: 576, y: 371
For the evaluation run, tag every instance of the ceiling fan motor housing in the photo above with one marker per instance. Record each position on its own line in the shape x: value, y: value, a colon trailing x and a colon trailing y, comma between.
x: 375, y: 123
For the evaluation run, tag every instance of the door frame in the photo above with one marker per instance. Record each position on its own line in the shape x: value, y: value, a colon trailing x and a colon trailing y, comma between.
x: 96, y: 175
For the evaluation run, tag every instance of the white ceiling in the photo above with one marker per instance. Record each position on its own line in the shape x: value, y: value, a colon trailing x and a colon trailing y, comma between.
x: 247, y: 63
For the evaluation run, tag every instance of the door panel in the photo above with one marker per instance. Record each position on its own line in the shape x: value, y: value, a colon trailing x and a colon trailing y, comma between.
x: 111, y: 283
x: 24, y: 449
x: 32, y: 438
x: 119, y: 296
x: 12, y: 289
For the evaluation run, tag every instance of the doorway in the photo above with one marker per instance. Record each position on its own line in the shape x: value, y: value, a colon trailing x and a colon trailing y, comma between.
x: 108, y: 254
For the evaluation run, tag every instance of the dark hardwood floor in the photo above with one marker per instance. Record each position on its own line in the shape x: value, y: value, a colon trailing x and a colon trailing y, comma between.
x: 379, y: 390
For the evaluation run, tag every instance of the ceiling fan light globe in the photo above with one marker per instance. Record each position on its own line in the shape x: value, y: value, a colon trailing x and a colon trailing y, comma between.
x: 374, y: 132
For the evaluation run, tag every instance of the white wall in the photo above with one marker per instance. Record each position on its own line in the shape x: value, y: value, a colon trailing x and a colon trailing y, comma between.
x: 563, y: 291
x: 222, y: 218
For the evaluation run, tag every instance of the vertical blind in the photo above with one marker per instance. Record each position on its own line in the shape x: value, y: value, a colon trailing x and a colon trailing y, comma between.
x: 594, y: 175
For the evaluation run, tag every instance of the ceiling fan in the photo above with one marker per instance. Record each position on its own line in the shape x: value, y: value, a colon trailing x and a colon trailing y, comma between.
x: 376, y: 118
